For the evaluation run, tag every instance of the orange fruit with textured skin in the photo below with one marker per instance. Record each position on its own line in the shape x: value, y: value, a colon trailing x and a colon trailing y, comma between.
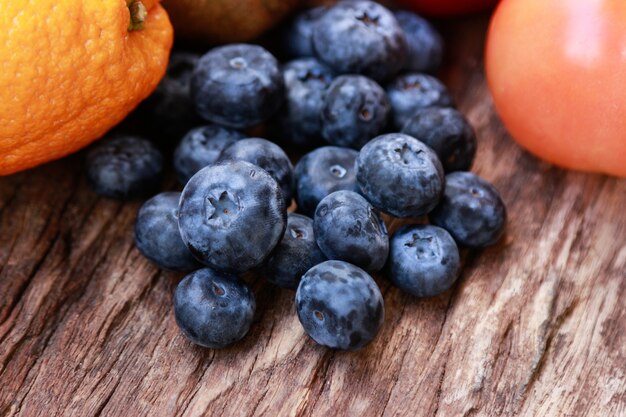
x: 71, y: 70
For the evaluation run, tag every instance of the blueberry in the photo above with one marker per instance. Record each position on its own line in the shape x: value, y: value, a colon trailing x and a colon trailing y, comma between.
x: 295, y: 254
x: 232, y: 215
x: 322, y: 172
x: 213, y: 309
x: 471, y: 210
x: 124, y: 167
x: 400, y: 175
x: 306, y: 82
x: 266, y: 155
x: 425, y: 45
x: 349, y: 229
x: 360, y: 37
x: 340, y: 305
x: 169, y: 110
x: 201, y: 147
x: 355, y: 110
x: 237, y: 85
x: 410, y: 92
x: 157, y: 236
x: 296, y: 37
x: 448, y: 133
x: 423, y: 260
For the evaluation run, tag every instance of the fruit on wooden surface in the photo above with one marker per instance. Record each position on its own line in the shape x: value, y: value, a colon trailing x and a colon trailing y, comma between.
x: 157, y: 236
x: 424, y: 43
x: 355, y: 109
x: 321, y: 172
x: 448, y: 133
x: 73, y: 69
x: 201, y: 147
x: 471, y: 210
x: 232, y: 215
x: 296, y: 35
x: 411, y: 92
x: 296, y: 253
x: 224, y: 21
x: 237, y: 85
x: 266, y: 155
x: 400, y: 175
x: 306, y: 82
x: 213, y: 309
x: 348, y: 228
x: 360, y: 37
x: 424, y: 260
x: 124, y: 167
x: 557, y: 73
x: 340, y: 306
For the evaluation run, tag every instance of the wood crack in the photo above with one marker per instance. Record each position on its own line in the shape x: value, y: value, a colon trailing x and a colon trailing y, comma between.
x: 36, y: 367
x: 4, y: 315
x: 104, y: 403
x: 265, y: 391
x: 440, y: 384
x: 319, y: 377
x: 404, y: 353
x: 17, y: 298
x: 22, y: 288
x: 539, y: 363
x: 324, y: 380
x: 204, y: 367
x: 123, y: 312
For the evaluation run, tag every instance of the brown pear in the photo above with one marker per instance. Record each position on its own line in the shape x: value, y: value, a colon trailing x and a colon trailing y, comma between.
x: 226, y: 21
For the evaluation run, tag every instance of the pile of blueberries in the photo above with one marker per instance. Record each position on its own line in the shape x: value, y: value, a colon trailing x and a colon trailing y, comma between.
x: 401, y: 149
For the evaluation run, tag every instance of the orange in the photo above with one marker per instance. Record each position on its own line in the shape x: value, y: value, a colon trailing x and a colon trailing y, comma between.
x: 557, y: 74
x: 72, y: 69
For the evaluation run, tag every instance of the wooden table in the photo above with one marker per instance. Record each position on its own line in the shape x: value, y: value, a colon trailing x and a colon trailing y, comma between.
x: 535, y: 327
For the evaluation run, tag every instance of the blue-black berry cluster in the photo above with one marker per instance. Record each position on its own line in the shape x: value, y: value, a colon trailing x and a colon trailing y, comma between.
x: 380, y: 135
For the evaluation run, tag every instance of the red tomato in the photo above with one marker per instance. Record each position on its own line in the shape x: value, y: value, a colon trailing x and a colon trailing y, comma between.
x: 448, y: 7
x: 557, y: 73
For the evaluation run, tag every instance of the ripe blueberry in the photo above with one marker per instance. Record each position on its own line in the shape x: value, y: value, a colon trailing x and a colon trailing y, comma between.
x: 232, y: 215
x: 471, y: 210
x: 355, y: 110
x: 322, y: 172
x: 423, y: 260
x: 124, y: 167
x: 339, y: 305
x: 237, y: 85
x: 295, y: 254
x: 400, y: 175
x: 296, y: 36
x: 213, y: 309
x: 425, y: 45
x: 266, y: 155
x: 306, y: 82
x: 360, y: 37
x: 410, y: 92
x: 157, y: 236
x: 201, y: 147
x: 448, y: 133
x: 169, y: 110
x: 348, y: 228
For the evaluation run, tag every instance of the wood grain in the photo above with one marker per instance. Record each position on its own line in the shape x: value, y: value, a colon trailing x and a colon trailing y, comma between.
x: 535, y: 327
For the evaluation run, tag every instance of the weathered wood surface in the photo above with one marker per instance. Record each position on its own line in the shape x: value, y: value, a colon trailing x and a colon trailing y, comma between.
x: 535, y: 327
